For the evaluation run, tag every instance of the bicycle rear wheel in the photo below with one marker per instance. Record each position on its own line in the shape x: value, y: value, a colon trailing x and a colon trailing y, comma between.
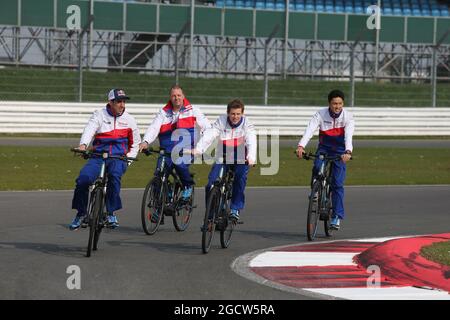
x: 225, y: 233
x: 183, y: 213
x: 211, y: 212
x: 313, y: 211
x: 94, y: 212
x: 152, y: 208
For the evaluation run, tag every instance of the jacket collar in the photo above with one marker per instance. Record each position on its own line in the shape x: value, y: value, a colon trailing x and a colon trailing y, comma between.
x: 235, y: 125
x: 334, y: 115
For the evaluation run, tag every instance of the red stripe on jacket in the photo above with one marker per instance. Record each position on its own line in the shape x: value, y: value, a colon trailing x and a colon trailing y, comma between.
x: 167, y: 127
x: 333, y: 132
x: 233, y: 142
x: 115, y: 134
x: 186, y: 123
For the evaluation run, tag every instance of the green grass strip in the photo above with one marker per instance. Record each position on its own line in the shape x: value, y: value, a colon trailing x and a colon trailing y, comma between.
x: 55, y: 168
x: 438, y: 252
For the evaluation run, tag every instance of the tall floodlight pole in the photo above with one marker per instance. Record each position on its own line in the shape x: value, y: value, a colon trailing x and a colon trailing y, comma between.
x: 191, y: 42
x: 434, y: 67
x: 80, y: 57
x: 266, y: 72
x: 286, y: 38
x: 377, y: 40
x: 91, y: 31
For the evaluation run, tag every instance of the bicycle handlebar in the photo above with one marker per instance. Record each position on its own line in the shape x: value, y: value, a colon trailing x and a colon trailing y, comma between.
x: 221, y: 159
x: 105, y: 155
x: 149, y: 151
x: 309, y: 155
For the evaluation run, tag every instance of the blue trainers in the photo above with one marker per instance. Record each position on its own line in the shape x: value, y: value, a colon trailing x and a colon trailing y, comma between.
x: 234, y: 214
x: 187, y: 193
x: 111, y: 221
x: 155, y: 216
x: 77, y: 222
x: 335, y: 223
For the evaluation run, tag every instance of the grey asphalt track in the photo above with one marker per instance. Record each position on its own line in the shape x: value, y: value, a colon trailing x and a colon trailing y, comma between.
x: 36, y: 248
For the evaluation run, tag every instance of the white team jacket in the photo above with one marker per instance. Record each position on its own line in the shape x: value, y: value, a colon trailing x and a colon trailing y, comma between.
x: 334, y: 134
x: 166, y: 121
x: 242, y: 135
x: 118, y: 135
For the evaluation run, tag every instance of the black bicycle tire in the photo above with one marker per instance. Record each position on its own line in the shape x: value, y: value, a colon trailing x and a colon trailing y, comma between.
x: 93, y: 215
x: 312, y: 219
x: 211, y: 206
x: 101, y: 216
x: 326, y: 223
x: 182, y: 227
x: 225, y: 234
x: 149, y: 192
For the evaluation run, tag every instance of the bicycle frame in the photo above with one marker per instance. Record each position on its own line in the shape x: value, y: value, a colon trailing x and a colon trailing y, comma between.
x: 97, y: 214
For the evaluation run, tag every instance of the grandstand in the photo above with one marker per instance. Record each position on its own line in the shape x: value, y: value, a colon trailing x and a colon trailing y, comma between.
x: 244, y: 39
x: 389, y: 7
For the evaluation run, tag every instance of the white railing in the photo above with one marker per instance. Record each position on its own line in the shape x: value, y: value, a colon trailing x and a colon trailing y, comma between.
x: 50, y: 117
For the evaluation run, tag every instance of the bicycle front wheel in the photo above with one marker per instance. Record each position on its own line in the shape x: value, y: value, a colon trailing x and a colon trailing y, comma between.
x: 212, y: 210
x: 326, y: 222
x: 225, y: 234
x: 183, y: 213
x: 313, y: 211
x: 94, y: 212
x: 152, y: 208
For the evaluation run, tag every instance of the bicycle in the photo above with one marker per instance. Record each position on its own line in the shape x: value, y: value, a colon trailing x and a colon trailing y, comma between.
x: 217, y: 213
x: 162, y: 198
x: 320, y: 207
x: 96, y: 215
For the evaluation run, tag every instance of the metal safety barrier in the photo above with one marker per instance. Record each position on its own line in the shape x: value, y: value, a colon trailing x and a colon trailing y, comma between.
x: 50, y: 117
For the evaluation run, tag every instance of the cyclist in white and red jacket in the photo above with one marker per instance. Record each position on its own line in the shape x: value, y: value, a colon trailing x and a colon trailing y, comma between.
x: 336, y: 127
x: 115, y: 131
x: 174, y: 125
x: 237, y: 146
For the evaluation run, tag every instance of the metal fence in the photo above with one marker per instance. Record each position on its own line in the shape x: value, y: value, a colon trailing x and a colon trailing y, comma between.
x: 248, y: 53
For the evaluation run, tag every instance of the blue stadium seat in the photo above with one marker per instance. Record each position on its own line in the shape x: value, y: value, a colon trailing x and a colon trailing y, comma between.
x: 239, y: 4
x: 229, y: 3
x: 291, y: 5
x: 397, y: 11
x: 359, y: 9
x: 320, y: 7
x: 445, y: 13
x: 348, y: 8
x: 259, y: 4
x: 249, y: 4
x: 338, y: 9
x: 280, y: 5
x: 416, y: 12
x: 300, y: 6
x: 270, y: 5
x: 220, y: 3
x: 435, y: 12
x: 407, y: 11
x: 387, y: 11
x: 426, y: 12
x: 309, y: 7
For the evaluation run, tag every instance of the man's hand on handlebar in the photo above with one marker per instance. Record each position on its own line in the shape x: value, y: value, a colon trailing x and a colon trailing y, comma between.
x: 143, y: 146
x: 300, y: 151
x: 346, y: 157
